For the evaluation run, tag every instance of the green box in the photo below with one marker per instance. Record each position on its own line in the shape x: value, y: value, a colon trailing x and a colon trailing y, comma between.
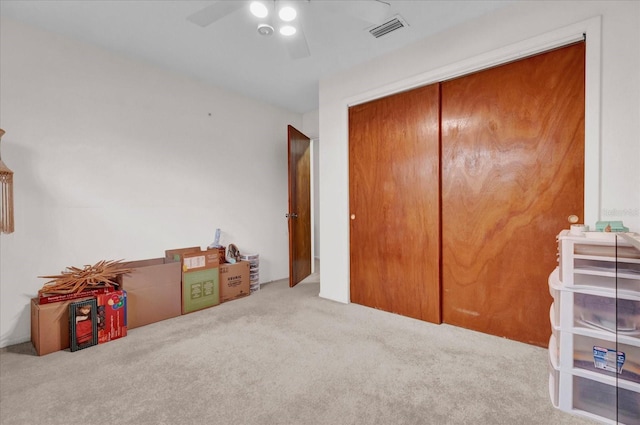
x: 200, y: 289
x: 200, y: 277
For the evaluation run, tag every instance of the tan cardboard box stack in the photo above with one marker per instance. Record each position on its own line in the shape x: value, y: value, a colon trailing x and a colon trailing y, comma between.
x: 186, y: 280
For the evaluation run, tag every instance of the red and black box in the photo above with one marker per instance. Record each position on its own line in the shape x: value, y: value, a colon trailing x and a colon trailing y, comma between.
x: 112, y: 316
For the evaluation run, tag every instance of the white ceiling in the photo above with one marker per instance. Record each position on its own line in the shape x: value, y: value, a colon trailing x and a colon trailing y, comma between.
x: 230, y: 53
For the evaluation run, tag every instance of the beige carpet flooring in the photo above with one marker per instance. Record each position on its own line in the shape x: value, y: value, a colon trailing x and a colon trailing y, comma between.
x: 283, y: 356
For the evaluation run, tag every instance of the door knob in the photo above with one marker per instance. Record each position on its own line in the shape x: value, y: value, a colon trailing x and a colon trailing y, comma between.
x: 292, y: 215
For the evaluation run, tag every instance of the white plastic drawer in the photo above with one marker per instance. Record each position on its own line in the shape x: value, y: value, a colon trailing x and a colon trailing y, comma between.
x: 608, y: 314
x: 606, y: 401
x: 588, y: 355
x: 610, y: 251
x: 626, y: 283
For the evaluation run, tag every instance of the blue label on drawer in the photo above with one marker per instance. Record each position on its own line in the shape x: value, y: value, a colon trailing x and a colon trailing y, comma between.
x: 608, y: 359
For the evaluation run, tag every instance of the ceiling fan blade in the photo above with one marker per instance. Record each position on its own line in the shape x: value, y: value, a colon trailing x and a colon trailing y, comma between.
x: 216, y: 11
x: 297, y: 45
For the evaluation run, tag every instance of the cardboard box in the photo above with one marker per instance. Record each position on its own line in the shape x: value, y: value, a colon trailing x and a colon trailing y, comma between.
x: 200, y: 281
x: 50, y: 326
x: 154, y: 291
x: 176, y: 254
x: 234, y: 280
x: 112, y: 316
x: 200, y: 277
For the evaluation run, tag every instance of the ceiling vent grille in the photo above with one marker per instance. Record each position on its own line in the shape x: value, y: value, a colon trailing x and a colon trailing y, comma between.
x: 393, y: 24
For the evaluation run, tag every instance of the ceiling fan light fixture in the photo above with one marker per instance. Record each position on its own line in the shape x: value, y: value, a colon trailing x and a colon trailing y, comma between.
x: 265, y: 29
x: 287, y: 30
x: 258, y: 9
x: 287, y: 13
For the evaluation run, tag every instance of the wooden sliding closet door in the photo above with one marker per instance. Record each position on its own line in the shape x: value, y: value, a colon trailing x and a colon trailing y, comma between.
x: 394, y: 203
x: 512, y: 172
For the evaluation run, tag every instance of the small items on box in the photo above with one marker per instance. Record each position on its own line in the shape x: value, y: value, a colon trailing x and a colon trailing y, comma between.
x: 233, y: 254
x: 221, y: 253
x: 221, y: 248
x: 611, y: 226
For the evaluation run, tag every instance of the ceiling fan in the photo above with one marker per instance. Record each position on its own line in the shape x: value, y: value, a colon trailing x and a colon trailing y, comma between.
x: 283, y: 16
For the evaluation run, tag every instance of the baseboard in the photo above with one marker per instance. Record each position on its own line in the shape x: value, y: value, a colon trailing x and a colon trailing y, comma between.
x: 332, y: 299
x: 9, y: 342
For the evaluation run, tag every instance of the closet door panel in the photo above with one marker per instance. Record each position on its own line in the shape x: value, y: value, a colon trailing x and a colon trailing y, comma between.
x: 512, y: 172
x: 394, y: 203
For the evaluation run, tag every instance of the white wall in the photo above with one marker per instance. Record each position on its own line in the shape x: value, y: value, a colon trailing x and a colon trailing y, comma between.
x: 613, y: 182
x: 114, y: 159
x: 311, y: 124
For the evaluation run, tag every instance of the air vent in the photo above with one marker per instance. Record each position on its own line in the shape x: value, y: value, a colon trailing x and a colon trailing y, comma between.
x: 395, y: 23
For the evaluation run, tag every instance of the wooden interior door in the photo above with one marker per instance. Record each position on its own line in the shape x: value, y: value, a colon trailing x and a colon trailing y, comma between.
x: 394, y: 203
x: 512, y: 172
x: 299, y: 215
